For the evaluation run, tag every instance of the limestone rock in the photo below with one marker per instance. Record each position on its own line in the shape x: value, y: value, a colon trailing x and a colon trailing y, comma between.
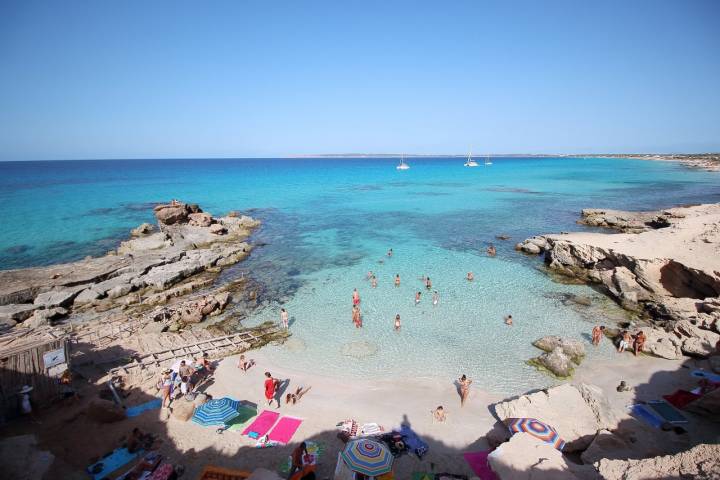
x: 200, y: 219
x: 662, y: 344
x: 566, y: 409
x: 701, y: 462
x: 87, y: 296
x: 6, y: 324
x: 172, y: 213
x: 44, y: 317
x: 16, y: 312
x: 524, y: 457
x: 696, y: 347
x: 605, y: 445
x: 119, y: 290
x: 217, y: 229
x: 182, y: 410
x: 56, y: 298
x: 142, y: 230
x: 556, y: 362
x: 572, y: 348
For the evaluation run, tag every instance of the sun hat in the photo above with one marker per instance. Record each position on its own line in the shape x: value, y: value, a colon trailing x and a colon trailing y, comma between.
x: 26, y: 389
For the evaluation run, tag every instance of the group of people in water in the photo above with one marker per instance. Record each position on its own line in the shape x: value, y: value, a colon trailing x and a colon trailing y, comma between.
x: 625, y: 340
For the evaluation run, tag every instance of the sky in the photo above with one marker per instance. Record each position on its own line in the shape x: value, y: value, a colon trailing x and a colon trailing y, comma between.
x: 190, y: 79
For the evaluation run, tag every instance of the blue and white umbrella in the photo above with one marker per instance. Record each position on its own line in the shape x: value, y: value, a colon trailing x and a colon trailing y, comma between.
x: 216, y: 412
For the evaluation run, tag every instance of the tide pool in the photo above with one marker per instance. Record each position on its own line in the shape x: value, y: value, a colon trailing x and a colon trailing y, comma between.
x: 327, y: 222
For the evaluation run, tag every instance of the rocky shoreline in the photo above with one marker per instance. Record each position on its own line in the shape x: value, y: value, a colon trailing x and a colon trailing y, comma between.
x: 158, y: 264
x: 664, y: 268
x: 703, y: 161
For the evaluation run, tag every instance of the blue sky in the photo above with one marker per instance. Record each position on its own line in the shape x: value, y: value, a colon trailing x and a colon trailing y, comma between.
x: 135, y: 79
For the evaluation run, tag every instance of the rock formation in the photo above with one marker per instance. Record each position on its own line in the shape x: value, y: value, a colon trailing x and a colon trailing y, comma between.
x: 190, y: 242
x: 701, y: 463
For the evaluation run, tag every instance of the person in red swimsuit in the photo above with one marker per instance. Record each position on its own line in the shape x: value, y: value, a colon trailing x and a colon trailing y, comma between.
x: 270, y: 385
x: 356, y: 297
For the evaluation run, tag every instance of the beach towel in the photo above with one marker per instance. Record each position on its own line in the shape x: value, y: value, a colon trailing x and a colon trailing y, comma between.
x: 648, y: 416
x: 314, y: 449
x: 116, y: 459
x: 138, y: 409
x: 478, y: 462
x: 414, y: 443
x: 703, y: 374
x: 246, y: 413
x: 371, y: 429
x: 262, y: 424
x: 681, y: 398
x: 284, y: 430
x: 667, y: 412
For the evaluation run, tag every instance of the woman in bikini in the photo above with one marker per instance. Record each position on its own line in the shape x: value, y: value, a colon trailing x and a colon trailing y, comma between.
x: 356, y: 297
x: 397, y: 322
x: 464, y: 383
x: 417, y: 298
x: 397, y: 280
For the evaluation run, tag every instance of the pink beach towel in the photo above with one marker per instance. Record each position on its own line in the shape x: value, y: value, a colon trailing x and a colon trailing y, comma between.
x: 479, y: 464
x: 285, y: 429
x: 262, y: 424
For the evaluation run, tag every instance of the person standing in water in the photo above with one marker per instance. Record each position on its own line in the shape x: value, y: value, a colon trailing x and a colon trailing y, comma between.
x: 464, y: 384
x: 373, y: 281
x: 470, y: 276
x: 597, y: 333
x: 428, y: 283
x: 508, y: 320
x: 435, y: 298
x: 390, y: 253
x: 397, y: 279
x: 284, y: 318
x: 417, y: 298
x: 356, y: 297
x: 397, y: 322
x: 356, y: 315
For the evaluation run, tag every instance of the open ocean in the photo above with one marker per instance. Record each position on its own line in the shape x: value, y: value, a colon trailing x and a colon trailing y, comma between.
x: 328, y: 221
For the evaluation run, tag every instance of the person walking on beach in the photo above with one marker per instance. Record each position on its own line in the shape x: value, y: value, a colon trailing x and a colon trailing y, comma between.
x: 397, y: 322
x: 284, y: 318
x: 597, y: 333
x: 417, y: 298
x: 639, y: 342
x: 464, y: 384
x: 397, y: 279
x: 356, y: 297
x: 428, y: 283
x: 435, y: 298
x: 270, y: 386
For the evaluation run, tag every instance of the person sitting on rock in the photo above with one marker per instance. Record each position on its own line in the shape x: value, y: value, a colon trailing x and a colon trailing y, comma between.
x: 639, y: 343
x: 625, y: 340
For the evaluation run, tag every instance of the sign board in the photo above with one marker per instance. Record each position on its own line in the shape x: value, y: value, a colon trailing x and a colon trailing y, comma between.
x: 54, y: 357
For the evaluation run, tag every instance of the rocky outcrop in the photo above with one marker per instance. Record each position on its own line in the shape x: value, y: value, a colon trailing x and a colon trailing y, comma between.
x: 191, y: 242
x: 590, y: 409
x: 629, y: 222
x: 555, y: 362
x: 142, y: 230
x: 180, y: 315
x: 575, y: 349
x: 669, y: 273
x: 701, y: 462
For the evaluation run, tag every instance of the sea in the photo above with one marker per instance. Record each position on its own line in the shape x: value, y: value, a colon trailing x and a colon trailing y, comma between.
x: 327, y: 222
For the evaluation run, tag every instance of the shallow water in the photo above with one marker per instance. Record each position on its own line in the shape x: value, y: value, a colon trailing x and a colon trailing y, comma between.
x: 327, y: 222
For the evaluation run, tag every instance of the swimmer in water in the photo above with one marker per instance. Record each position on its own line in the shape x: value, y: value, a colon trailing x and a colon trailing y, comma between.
x: 417, y: 298
x: 435, y: 298
x: 508, y: 320
x: 470, y: 277
x: 373, y: 282
x: 397, y: 322
x: 397, y: 280
x: 428, y: 283
x: 390, y: 253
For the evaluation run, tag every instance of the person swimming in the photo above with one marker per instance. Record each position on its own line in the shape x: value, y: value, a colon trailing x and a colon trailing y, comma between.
x: 470, y: 276
x: 373, y: 281
x: 435, y: 298
x: 428, y: 283
x: 390, y: 253
x: 491, y: 250
x: 508, y: 320
x: 397, y: 280
x: 417, y: 298
x: 397, y: 322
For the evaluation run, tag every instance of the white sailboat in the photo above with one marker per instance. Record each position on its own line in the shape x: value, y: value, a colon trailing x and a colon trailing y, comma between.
x: 487, y: 161
x: 403, y: 165
x: 470, y: 162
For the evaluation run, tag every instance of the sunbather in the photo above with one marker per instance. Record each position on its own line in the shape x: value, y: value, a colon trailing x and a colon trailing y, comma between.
x: 439, y: 414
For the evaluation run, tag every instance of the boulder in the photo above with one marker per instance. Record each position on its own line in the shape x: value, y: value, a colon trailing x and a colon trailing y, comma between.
x: 6, y: 324
x: 576, y: 412
x: 88, y: 295
x: 662, y: 344
x: 172, y: 213
x: 217, y: 229
x: 572, y: 348
x: 606, y: 445
x: 44, y: 317
x: 700, y: 462
x: 104, y: 411
x: 119, y: 290
x: 556, y: 362
x: 153, y: 241
x: 16, y: 312
x: 142, y: 230
x: 200, y: 219
x: 697, y: 347
x: 525, y: 457
x: 56, y: 298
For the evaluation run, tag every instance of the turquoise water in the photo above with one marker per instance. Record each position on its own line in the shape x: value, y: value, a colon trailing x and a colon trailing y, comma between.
x: 327, y: 222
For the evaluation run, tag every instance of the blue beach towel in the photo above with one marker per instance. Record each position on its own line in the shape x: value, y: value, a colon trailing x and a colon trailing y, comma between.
x: 138, y: 409
x: 413, y: 442
x: 642, y: 412
x: 703, y: 374
x: 667, y: 411
x: 118, y: 458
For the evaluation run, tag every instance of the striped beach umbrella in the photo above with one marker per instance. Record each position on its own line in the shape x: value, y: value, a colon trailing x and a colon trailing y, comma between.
x: 537, y: 429
x: 367, y: 457
x: 216, y: 412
